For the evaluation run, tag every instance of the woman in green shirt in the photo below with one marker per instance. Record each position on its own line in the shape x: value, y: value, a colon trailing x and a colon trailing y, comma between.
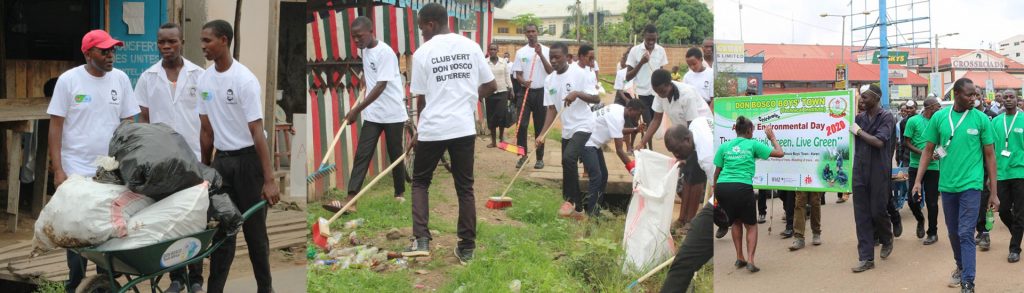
x: 734, y: 184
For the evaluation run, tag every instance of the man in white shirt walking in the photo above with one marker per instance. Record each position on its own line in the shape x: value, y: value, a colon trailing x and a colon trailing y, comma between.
x: 88, y: 103
x: 167, y: 94
x: 531, y: 73
x: 232, y: 121
x: 449, y: 77
x: 643, y: 60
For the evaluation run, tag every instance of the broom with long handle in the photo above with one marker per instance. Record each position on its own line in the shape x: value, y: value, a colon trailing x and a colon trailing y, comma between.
x: 503, y: 201
x: 651, y: 273
x: 512, y: 148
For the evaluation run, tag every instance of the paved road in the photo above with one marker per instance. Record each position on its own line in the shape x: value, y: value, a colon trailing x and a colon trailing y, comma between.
x: 912, y: 267
x: 292, y: 279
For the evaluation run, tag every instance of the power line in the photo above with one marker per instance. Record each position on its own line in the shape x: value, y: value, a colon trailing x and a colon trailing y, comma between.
x: 793, y: 19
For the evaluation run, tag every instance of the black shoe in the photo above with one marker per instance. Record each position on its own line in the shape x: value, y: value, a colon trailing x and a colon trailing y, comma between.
x: 886, y: 250
x: 522, y: 161
x: 863, y: 266
x: 967, y: 287
x: 761, y: 219
x: 920, y: 230
x: 985, y: 242
x: 931, y: 239
x: 721, y: 232
x: 740, y: 263
x: 539, y: 164
x: 752, y: 268
x: 419, y: 247
x: 787, y: 233
x: 463, y: 254
x: 897, y: 230
x: 1014, y: 257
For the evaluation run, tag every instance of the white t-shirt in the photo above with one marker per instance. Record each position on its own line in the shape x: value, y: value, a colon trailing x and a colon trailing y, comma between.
x: 175, y: 105
x: 448, y: 71
x: 703, y: 82
x: 704, y: 144
x: 687, y: 107
x: 578, y: 116
x: 643, y: 77
x: 92, y: 108
x: 620, y: 80
x: 608, y: 123
x: 381, y: 64
x: 231, y: 99
x: 524, y: 56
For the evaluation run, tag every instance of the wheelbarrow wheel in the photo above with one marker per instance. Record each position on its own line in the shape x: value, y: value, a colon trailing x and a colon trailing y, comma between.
x: 99, y: 283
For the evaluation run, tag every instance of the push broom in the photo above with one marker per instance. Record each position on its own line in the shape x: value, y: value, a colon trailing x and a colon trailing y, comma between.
x: 322, y: 229
x: 326, y: 169
x: 503, y: 201
x: 515, y: 149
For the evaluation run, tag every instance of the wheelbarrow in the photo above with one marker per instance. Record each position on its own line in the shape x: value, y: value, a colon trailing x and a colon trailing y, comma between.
x: 150, y: 262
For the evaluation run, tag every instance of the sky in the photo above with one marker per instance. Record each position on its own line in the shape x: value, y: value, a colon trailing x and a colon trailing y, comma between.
x: 799, y: 21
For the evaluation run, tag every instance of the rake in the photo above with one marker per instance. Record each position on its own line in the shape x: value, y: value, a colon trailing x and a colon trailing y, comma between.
x: 503, y: 201
x: 322, y: 228
x: 512, y: 148
x: 325, y: 168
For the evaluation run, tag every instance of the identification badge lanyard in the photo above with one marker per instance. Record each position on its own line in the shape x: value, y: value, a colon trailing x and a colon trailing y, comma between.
x: 942, y: 149
x: 1006, y: 139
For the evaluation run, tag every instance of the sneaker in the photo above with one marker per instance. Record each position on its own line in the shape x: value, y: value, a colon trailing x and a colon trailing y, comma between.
x: 539, y: 164
x: 967, y: 288
x: 419, y: 247
x: 566, y: 209
x: 196, y: 288
x: 463, y: 254
x: 931, y: 239
x: 787, y: 233
x: 954, y: 278
x: 797, y: 244
x: 864, y: 265
x: 985, y: 242
x: 1014, y: 257
x: 721, y: 232
x: 816, y: 240
x: 920, y: 230
x: 520, y: 163
x: 761, y: 219
x: 175, y: 287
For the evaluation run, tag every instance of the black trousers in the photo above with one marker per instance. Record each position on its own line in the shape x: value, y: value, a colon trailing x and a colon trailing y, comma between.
x: 914, y: 203
x: 428, y: 154
x: 192, y: 275
x: 894, y: 214
x: 242, y: 176
x: 534, y: 105
x: 762, y: 201
x: 930, y: 195
x: 696, y: 250
x: 369, y: 135
x: 648, y: 113
x: 1011, y: 209
x: 788, y: 205
x: 572, y: 150
x: 983, y: 207
x: 870, y: 213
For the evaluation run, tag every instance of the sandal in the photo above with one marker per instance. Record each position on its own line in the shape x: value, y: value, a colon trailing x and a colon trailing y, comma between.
x: 334, y: 206
x: 492, y: 145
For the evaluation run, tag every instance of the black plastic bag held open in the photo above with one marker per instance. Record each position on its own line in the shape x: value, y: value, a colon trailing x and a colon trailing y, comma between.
x: 156, y: 161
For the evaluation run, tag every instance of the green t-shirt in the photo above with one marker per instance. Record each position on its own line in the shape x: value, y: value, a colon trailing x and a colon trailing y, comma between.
x: 1011, y: 167
x: 965, y: 164
x: 915, y: 131
x: 736, y: 159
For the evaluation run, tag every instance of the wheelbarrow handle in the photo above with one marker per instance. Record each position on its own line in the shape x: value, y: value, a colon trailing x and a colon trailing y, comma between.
x: 256, y: 207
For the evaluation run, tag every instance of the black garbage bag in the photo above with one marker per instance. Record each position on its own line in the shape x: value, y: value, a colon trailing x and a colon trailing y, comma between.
x: 155, y: 161
x: 225, y: 213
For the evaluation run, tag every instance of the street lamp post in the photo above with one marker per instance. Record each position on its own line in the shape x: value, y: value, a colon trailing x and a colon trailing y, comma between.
x: 842, y: 46
x: 935, y: 62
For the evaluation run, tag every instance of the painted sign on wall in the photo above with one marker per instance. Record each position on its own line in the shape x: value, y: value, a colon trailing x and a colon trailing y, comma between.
x: 135, y: 23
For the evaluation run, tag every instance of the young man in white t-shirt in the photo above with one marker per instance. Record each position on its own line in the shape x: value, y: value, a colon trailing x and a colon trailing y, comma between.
x: 588, y: 63
x: 568, y: 91
x: 167, y: 94
x: 449, y: 77
x: 643, y: 60
x: 532, y: 68
x: 699, y: 77
x: 232, y: 121
x: 679, y: 101
x: 88, y: 103
x: 609, y: 124
x: 382, y: 110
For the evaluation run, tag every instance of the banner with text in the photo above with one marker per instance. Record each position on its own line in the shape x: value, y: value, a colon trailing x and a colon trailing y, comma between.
x: 813, y: 130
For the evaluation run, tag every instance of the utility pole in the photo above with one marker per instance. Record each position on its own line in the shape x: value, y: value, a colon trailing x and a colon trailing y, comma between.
x: 578, y: 11
x: 595, y: 33
x: 883, y: 56
x: 741, y: 20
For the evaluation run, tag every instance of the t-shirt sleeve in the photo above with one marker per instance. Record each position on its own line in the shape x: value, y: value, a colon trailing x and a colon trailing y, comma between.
x: 418, y: 84
x: 632, y: 59
x: 140, y: 91
x: 615, y: 127
x: 657, y: 106
x: 762, y: 151
x: 484, y: 71
x: 129, y: 105
x: 620, y: 78
x: 986, y: 129
x: 719, y: 157
x: 550, y: 97
x: 517, y: 63
x: 664, y: 58
x: 388, y: 67
x: 61, y: 99
x: 909, y: 128
x: 251, y: 105
x: 931, y: 131
x: 589, y: 82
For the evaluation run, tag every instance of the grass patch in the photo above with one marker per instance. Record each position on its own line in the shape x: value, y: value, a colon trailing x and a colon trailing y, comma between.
x: 326, y: 280
x: 50, y: 287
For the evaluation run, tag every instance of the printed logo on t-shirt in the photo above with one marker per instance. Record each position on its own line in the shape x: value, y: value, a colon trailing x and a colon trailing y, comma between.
x: 207, y: 96
x: 81, y: 98
x: 1018, y: 130
x: 113, y: 97
x: 552, y: 91
x: 231, y: 97
x: 192, y: 91
x: 735, y: 149
x: 972, y: 131
x: 568, y: 87
x: 373, y: 66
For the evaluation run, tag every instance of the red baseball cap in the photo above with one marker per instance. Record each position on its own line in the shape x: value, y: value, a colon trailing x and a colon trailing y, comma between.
x: 99, y: 39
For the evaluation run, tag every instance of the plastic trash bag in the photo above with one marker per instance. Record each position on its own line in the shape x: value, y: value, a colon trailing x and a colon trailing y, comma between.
x: 227, y: 215
x: 83, y: 213
x: 156, y: 161
x: 180, y: 214
x: 647, y: 239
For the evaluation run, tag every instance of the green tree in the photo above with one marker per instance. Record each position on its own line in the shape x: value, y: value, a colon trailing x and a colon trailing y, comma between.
x: 678, y: 21
x: 529, y: 18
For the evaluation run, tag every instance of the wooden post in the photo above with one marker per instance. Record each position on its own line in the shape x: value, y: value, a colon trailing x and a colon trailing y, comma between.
x: 13, y: 181
x: 42, y: 168
x: 238, y: 30
x: 270, y: 93
x: 3, y: 55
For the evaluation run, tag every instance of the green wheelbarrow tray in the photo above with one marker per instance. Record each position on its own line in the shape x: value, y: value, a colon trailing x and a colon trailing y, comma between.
x: 154, y: 260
